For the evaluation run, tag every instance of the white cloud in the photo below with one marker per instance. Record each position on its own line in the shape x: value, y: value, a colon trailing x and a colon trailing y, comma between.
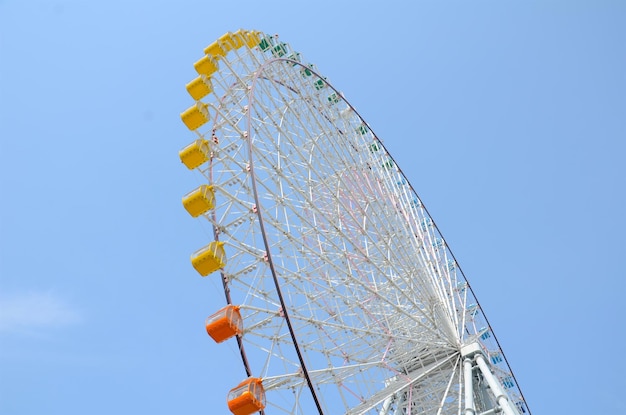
x: 35, y: 310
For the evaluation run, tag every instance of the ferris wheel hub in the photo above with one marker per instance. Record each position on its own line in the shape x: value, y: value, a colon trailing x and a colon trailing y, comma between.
x: 470, y: 350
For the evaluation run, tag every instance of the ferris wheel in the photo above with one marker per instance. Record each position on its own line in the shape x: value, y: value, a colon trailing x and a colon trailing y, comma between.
x: 341, y: 295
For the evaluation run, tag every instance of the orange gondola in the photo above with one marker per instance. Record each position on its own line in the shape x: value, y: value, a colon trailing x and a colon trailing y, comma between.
x: 247, y: 398
x: 225, y: 324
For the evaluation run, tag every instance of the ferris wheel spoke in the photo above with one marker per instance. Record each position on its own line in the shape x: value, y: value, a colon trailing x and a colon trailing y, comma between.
x: 380, y: 296
x: 398, y: 386
x: 304, y: 219
x: 448, y: 398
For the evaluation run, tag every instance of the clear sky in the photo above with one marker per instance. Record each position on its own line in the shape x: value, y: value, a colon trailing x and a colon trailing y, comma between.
x: 508, y: 117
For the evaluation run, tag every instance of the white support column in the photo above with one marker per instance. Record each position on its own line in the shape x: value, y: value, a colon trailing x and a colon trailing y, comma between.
x: 501, y: 397
x: 469, y: 386
x: 387, y: 405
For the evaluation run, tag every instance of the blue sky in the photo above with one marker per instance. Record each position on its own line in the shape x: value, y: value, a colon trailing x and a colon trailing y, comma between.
x: 509, y: 119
